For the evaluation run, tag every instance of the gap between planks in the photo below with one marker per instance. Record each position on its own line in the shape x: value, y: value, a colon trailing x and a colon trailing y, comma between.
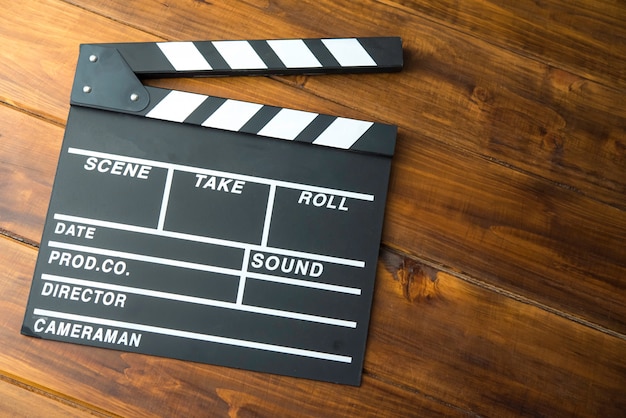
x: 55, y: 396
x: 37, y: 115
x: 81, y: 7
x: 420, y: 393
x: 455, y: 147
x: 530, y: 56
x: 6, y: 234
x: 503, y: 292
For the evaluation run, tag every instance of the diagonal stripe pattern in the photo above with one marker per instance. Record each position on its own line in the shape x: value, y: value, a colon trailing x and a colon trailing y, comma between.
x: 294, y: 53
x: 239, y: 55
x: 270, y: 121
x: 267, y: 54
x: 184, y: 56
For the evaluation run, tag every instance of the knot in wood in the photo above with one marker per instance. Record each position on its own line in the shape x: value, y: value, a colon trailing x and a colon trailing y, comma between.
x: 481, y: 95
x: 418, y: 282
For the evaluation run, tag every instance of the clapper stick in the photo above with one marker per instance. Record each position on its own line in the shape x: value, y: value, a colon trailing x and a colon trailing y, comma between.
x: 210, y: 229
x: 107, y: 77
x: 263, y: 57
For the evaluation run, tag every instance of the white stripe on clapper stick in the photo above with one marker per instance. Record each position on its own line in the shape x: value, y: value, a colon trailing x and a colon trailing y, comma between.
x: 294, y: 53
x: 239, y: 55
x: 349, y: 52
x: 287, y: 124
x: 176, y: 106
x: 184, y: 56
x: 232, y: 115
x: 343, y: 133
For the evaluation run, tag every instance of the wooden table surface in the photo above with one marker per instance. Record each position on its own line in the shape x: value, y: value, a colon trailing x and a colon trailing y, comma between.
x: 501, y: 284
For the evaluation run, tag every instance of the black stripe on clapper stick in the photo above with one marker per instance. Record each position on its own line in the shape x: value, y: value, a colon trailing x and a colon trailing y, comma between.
x: 382, y: 52
x: 315, y: 128
x: 260, y: 119
x: 268, y: 55
x: 214, y: 58
x: 322, y: 54
x: 205, y: 110
x: 156, y: 96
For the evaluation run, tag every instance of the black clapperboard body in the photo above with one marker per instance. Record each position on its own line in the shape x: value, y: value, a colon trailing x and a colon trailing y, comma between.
x: 215, y: 230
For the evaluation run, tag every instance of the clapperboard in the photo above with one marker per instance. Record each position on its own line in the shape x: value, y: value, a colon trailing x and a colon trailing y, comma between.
x: 215, y: 230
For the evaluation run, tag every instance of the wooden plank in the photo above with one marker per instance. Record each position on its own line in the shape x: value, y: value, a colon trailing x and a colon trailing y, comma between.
x: 137, y: 385
x: 543, y: 242
x: 42, y: 62
x: 587, y: 38
x: 505, y: 357
x: 18, y: 401
x: 434, y: 339
x: 536, y: 117
x: 29, y: 151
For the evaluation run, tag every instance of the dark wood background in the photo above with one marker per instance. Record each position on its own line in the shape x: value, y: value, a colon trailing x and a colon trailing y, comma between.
x: 501, y: 287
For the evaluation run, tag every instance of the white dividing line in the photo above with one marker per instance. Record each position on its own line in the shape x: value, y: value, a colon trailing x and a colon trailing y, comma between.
x: 203, y: 267
x: 208, y: 240
x: 200, y: 301
x: 166, y: 198
x: 194, y: 336
x: 217, y: 173
x: 145, y: 258
x: 268, y: 215
x: 305, y: 283
x: 242, y: 278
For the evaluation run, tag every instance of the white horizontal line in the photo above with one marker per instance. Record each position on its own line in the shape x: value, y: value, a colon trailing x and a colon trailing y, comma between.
x: 304, y: 283
x: 208, y: 240
x: 200, y: 301
x: 199, y: 170
x: 145, y: 258
x: 194, y: 336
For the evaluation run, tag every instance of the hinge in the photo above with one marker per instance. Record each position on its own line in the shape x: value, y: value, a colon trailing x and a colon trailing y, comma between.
x: 104, y: 80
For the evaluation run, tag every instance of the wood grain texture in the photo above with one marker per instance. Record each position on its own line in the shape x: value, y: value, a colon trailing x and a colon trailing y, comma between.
x: 507, y: 357
x: 501, y: 284
x: 575, y: 254
x: 19, y: 401
x: 588, y: 39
